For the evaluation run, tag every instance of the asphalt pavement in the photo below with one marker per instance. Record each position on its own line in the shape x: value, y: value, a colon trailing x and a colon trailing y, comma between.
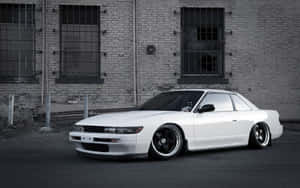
x: 48, y: 160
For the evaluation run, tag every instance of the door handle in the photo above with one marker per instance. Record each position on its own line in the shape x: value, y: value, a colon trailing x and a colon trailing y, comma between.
x: 234, y: 120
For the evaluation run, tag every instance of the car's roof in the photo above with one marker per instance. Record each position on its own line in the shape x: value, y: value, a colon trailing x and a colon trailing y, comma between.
x: 205, y: 90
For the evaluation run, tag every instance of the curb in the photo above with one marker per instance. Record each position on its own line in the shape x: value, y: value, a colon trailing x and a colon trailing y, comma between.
x: 46, y: 129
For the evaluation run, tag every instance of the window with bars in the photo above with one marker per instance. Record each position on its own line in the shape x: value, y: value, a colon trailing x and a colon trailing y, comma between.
x: 17, y: 42
x: 202, y: 42
x: 80, y: 43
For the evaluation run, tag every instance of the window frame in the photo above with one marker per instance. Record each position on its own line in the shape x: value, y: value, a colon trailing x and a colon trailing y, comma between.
x: 31, y: 79
x: 79, y: 79
x: 202, y: 78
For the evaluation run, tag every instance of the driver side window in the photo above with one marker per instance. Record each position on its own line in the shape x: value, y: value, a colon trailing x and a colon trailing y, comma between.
x: 222, y: 102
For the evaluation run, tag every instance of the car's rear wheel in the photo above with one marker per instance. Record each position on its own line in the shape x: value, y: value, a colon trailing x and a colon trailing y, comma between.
x: 260, y: 136
x: 167, y: 142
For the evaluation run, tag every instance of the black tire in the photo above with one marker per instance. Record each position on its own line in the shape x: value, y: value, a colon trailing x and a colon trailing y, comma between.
x: 260, y: 136
x: 167, y: 142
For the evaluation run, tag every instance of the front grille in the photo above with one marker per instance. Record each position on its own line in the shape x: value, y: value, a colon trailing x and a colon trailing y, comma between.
x: 76, y: 137
x: 104, y: 140
x: 93, y: 129
x: 95, y: 147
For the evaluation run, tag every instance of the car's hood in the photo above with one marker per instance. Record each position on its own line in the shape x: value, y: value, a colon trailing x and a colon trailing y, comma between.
x: 131, y: 118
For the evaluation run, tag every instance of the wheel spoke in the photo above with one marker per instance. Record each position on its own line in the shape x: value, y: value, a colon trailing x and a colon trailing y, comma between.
x: 168, y: 133
x: 165, y: 147
x: 256, y: 134
x: 158, y: 135
x: 158, y: 145
x: 172, y: 141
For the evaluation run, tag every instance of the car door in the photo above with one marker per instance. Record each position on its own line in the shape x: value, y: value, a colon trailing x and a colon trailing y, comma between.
x: 216, y: 128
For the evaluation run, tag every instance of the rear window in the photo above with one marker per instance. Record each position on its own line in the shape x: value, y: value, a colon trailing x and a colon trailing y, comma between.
x: 240, y: 104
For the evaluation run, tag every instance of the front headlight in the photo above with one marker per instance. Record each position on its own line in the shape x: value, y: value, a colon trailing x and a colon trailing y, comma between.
x: 123, y: 130
x: 77, y: 128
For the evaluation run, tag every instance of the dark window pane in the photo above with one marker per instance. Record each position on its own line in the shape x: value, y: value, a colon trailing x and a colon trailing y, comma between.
x: 17, y: 40
x: 80, y: 50
x: 203, y: 30
x: 200, y: 63
x: 73, y: 14
x: 173, y: 101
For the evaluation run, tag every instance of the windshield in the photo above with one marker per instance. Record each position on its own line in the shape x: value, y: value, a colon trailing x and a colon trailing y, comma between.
x: 173, y: 101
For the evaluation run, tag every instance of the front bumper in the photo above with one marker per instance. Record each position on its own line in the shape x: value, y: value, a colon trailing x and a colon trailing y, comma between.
x: 108, y: 144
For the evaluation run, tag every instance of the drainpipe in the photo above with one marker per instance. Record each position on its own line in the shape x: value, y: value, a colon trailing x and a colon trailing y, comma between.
x: 135, y: 89
x: 44, y: 60
x: 43, y: 47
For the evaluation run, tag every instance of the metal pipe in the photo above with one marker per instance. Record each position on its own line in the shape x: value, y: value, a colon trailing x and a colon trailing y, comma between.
x: 135, y: 88
x: 46, y: 89
x: 86, y: 106
x: 48, y: 110
x: 11, y: 101
x: 43, y: 44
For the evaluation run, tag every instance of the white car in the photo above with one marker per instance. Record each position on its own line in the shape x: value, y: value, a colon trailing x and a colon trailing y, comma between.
x: 179, y: 120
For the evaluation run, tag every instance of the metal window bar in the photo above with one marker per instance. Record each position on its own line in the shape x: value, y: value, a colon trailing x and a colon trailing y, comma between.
x: 80, y: 42
x: 202, y: 41
x: 17, y: 42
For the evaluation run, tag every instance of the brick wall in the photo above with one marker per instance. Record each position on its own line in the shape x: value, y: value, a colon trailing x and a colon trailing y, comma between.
x: 264, y: 65
x: 116, y: 67
x: 117, y: 89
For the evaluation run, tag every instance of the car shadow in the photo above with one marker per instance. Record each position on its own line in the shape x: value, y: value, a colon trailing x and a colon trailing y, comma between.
x: 212, y: 152
x: 144, y: 158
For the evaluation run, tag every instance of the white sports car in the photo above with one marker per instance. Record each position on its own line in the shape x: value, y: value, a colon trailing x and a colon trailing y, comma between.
x: 175, y: 121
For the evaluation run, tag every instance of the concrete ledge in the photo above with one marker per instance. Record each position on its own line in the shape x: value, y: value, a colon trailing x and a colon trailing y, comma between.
x: 46, y: 129
x: 75, y: 115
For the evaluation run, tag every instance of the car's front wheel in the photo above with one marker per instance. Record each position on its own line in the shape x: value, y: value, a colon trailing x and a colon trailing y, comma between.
x: 167, y: 142
x: 260, y: 136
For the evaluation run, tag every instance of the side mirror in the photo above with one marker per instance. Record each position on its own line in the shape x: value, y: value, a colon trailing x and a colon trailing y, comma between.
x: 206, y: 108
